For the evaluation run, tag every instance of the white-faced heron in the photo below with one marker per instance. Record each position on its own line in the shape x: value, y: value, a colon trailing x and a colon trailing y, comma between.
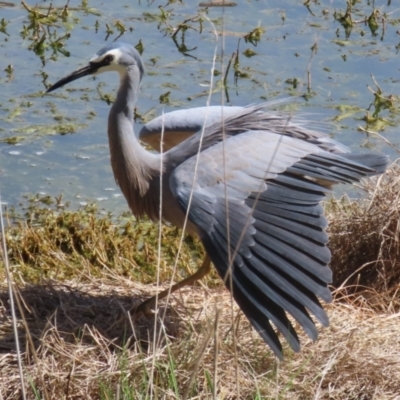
x: 252, y: 194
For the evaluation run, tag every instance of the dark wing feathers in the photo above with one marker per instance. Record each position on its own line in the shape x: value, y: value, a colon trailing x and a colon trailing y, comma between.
x: 312, y: 249
x: 268, y: 280
x: 241, y: 229
x: 290, y: 214
x: 304, y: 230
x: 252, y: 310
x: 376, y: 162
x: 270, y: 247
x: 201, y: 206
x: 291, y: 270
x: 245, y: 279
x: 333, y: 169
x: 289, y: 188
x: 258, y: 306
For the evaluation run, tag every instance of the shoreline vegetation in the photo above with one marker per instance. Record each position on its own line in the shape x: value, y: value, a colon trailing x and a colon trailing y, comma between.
x: 77, y: 272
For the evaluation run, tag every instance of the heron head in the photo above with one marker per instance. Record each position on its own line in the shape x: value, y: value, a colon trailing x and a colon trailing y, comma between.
x: 117, y: 56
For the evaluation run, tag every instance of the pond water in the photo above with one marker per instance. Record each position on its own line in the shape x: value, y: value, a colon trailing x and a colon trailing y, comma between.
x: 57, y: 144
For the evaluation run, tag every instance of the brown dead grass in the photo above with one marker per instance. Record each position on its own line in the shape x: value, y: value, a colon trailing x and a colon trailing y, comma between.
x: 80, y: 346
x: 78, y: 343
x: 364, y: 240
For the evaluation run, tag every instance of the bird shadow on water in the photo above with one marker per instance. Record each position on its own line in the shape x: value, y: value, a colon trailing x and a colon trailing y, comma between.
x: 79, y: 315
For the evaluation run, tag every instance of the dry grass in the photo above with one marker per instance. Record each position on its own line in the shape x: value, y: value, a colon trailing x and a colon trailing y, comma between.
x: 364, y: 239
x: 78, y: 343
x: 80, y: 350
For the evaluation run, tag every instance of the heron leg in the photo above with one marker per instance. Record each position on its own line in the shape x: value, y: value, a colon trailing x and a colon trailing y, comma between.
x: 146, y: 306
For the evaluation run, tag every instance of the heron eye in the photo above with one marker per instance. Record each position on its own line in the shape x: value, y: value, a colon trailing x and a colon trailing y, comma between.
x: 109, y: 59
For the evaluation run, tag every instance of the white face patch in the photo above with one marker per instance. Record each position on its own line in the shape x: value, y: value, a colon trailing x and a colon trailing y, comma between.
x: 114, y: 66
x: 116, y: 53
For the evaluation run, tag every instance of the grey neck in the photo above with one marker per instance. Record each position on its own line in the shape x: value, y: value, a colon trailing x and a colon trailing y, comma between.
x: 135, y: 169
x: 127, y: 95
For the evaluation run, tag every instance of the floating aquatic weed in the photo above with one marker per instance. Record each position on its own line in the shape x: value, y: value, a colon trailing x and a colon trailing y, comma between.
x: 39, y: 30
x: 164, y: 98
x: 254, y: 36
x: 3, y: 26
x: 345, y: 19
x: 9, y: 71
x: 249, y: 53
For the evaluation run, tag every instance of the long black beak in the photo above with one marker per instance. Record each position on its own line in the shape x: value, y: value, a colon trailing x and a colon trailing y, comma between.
x: 91, y: 68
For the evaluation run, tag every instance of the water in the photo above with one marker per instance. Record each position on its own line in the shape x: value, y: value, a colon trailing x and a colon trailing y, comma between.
x: 76, y: 164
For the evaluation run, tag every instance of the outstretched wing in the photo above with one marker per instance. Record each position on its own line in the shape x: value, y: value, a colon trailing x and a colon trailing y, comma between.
x: 222, y: 120
x: 256, y: 203
x: 179, y: 125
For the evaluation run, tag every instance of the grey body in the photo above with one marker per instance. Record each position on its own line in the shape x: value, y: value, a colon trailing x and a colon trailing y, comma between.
x: 257, y: 178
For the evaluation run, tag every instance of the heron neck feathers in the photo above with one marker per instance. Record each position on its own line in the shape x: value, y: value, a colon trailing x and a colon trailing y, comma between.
x: 134, y: 168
